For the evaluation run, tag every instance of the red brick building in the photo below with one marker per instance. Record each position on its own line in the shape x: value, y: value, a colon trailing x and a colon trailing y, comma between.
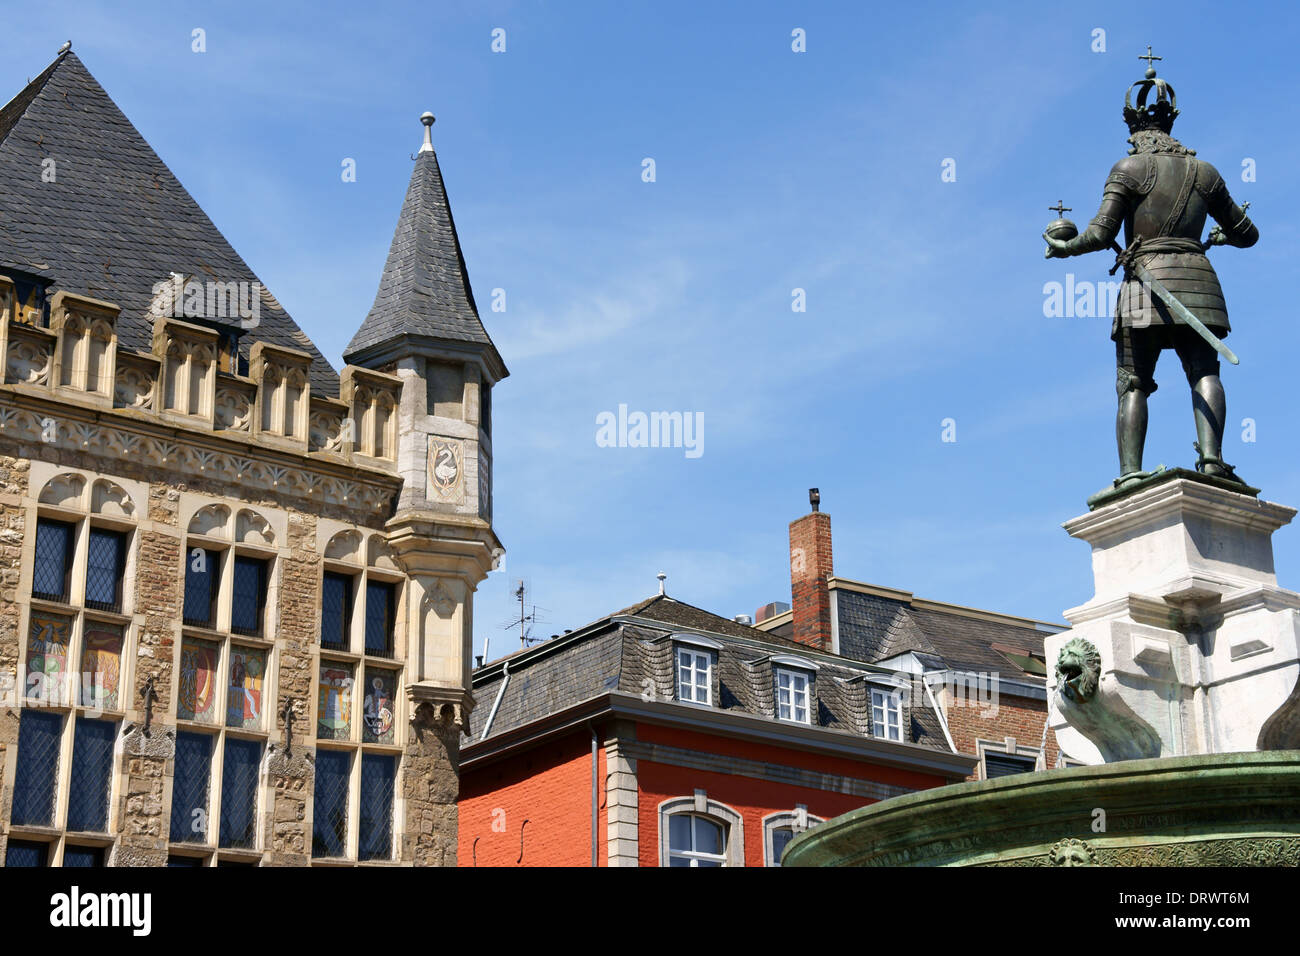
x: 984, y: 671
x: 664, y: 735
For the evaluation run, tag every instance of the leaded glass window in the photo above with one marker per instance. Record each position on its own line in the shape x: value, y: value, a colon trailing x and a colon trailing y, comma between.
x: 249, y: 597
x: 329, y: 834
x: 378, y: 775
x: 239, y: 777
x: 27, y: 853
x: 48, y: 639
x: 336, y: 611
x: 193, y: 768
x: 78, y: 856
x: 201, y: 569
x: 105, y: 561
x: 196, y: 685
x: 379, y: 707
x: 38, y: 768
x: 92, y: 774
x: 101, y: 665
x: 381, y: 601
x: 334, y: 701
x: 52, y: 569
x: 244, y: 693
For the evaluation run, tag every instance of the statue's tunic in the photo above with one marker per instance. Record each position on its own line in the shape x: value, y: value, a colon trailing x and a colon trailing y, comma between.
x: 1163, y: 199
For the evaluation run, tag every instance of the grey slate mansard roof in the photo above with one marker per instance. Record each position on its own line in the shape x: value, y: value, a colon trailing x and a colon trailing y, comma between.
x: 626, y: 653
x: 875, y: 628
x: 424, y: 291
x: 115, y: 221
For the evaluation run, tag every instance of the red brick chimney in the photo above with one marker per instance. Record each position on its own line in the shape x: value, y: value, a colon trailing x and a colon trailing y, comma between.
x: 810, y: 566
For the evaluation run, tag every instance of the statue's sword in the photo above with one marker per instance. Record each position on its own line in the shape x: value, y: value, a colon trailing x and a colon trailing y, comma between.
x: 1129, y: 261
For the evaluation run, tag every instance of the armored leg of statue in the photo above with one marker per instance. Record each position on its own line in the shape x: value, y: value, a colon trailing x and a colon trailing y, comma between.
x: 1131, y: 434
x: 1210, y: 408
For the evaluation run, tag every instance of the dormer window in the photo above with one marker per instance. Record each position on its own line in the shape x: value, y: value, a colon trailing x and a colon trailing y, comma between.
x: 792, y: 695
x: 694, y: 675
x: 696, y: 658
x: 886, y: 714
x: 30, y: 301
x: 792, y: 680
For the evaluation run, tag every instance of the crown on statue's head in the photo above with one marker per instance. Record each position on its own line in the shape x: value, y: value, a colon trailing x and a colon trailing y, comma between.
x: 1158, y: 112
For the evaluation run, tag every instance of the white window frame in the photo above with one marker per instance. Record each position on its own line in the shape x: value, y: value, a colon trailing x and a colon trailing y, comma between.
x: 733, y: 825
x: 695, y: 655
x: 693, y: 856
x: 1006, y: 748
x: 799, y: 820
x: 891, y: 703
x: 789, y: 711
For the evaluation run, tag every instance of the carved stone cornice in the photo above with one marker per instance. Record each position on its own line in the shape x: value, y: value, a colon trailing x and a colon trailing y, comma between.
x: 35, y: 415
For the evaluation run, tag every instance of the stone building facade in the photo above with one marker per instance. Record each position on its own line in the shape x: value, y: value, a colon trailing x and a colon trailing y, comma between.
x: 236, y: 586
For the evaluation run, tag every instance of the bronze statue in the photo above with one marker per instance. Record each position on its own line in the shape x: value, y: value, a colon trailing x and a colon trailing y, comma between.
x: 1170, y: 297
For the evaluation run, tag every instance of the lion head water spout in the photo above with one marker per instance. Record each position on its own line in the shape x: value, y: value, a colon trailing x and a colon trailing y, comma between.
x: 1090, y: 703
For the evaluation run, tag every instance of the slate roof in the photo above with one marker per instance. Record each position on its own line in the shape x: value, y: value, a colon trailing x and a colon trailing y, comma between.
x: 668, y: 610
x: 424, y: 290
x: 115, y: 221
x: 633, y: 656
x: 875, y: 628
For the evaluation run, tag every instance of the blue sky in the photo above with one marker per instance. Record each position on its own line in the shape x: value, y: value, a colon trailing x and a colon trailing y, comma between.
x: 775, y: 170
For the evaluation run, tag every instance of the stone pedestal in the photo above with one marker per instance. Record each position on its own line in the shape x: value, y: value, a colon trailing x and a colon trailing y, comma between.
x: 1188, y: 645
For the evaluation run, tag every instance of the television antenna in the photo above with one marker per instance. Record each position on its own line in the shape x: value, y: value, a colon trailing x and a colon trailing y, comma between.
x: 525, y: 618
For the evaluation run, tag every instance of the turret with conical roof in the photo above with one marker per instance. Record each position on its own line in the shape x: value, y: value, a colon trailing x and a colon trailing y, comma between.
x: 425, y: 329
x: 424, y: 297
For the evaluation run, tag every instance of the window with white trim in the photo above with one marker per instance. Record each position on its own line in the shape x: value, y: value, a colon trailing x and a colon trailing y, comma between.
x: 696, y: 840
x: 697, y: 831
x: 886, y: 714
x: 792, y: 695
x: 1005, y: 764
x: 782, y: 827
x: 694, y: 675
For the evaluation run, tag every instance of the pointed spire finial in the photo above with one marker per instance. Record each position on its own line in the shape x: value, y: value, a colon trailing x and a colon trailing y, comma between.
x: 427, y: 119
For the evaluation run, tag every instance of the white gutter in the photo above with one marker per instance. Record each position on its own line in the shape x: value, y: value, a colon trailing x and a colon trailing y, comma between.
x: 505, y: 679
x: 933, y: 703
